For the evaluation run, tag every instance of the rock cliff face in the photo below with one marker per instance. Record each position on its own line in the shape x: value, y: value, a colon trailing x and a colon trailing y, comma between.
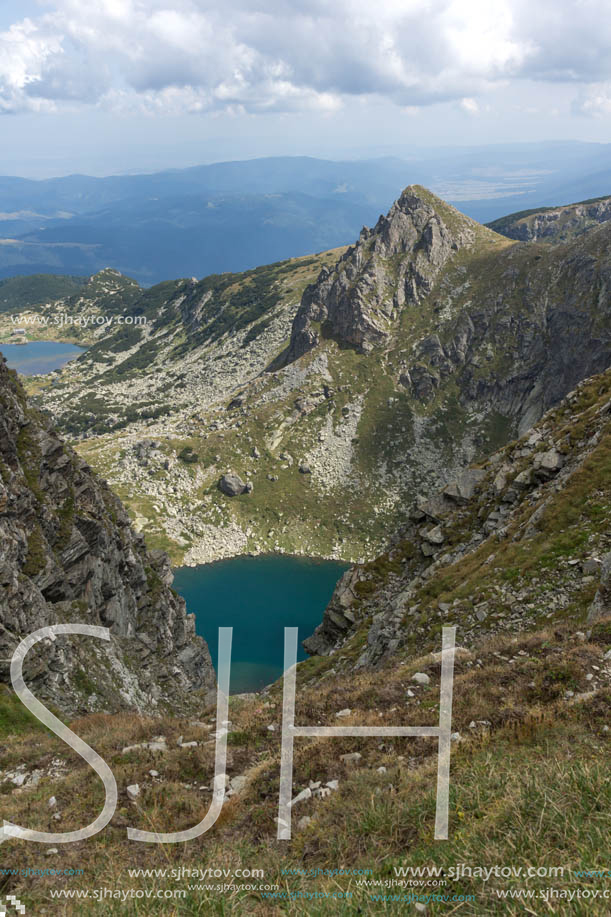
x: 554, y: 224
x: 391, y: 266
x: 68, y: 554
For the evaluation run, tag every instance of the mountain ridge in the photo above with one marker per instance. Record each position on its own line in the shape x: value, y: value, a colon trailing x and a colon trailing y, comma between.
x: 554, y: 224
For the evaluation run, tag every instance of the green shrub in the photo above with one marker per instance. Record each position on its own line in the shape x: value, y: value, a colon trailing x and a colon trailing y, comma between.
x: 188, y: 455
x: 36, y: 559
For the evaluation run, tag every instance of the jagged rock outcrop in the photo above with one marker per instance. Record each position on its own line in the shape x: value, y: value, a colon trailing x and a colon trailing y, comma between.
x: 69, y: 554
x: 554, y: 224
x: 391, y: 266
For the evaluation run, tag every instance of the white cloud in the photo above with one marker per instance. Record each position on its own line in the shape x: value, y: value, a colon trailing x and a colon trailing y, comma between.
x: 199, y: 55
x: 470, y: 105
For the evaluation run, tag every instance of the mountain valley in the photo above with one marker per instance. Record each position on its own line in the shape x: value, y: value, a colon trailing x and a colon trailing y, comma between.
x: 336, y: 387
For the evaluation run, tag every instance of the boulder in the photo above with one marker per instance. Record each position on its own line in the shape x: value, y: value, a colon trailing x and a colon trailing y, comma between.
x: 231, y: 484
x: 549, y: 462
x: 523, y: 479
x: 434, y: 536
x: 421, y: 678
x: 462, y: 489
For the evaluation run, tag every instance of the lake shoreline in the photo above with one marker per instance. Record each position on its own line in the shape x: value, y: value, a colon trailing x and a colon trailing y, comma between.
x: 40, y: 358
x: 321, y: 558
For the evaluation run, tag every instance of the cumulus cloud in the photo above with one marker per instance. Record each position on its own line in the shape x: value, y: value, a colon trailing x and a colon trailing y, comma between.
x: 284, y: 55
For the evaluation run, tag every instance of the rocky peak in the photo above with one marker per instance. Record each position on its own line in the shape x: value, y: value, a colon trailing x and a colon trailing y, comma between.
x: 391, y: 266
x: 69, y: 554
x: 109, y: 280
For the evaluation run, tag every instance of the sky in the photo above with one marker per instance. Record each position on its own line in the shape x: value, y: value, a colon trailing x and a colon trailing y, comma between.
x: 108, y: 86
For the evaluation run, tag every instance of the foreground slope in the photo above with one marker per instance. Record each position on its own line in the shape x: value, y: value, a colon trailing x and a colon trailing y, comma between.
x: 520, y: 564
x: 68, y: 554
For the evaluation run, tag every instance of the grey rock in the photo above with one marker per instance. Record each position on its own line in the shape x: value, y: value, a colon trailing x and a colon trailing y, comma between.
x: 523, y: 479
x: 421, y: 678
x: 548, y: 462
x: 427, y: 549
x: 462, y: 489
x: 352, y: 757
x: 231, y: 484
x: 601, y: 605
x: 434, y: 536
x: 301, y: 797
x: 481, y: 611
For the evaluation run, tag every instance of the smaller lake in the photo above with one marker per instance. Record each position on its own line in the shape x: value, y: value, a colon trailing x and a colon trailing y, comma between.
x: 258, y: 597
x: 39, y: 356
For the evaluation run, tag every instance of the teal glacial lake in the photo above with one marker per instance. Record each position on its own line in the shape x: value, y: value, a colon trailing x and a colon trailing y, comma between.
x: 258, y: 597
x: 39, y: 356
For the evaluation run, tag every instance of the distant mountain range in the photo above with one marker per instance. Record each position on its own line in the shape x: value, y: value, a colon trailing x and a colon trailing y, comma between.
x: 232, y: 216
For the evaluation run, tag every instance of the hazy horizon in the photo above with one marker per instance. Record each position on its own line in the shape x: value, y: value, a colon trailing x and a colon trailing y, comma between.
x: 416, y: 152
x: 122, y: 86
